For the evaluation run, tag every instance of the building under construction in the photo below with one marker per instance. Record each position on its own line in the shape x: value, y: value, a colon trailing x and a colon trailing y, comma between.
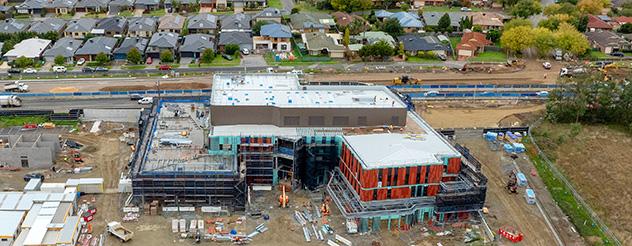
x: 381, y: 163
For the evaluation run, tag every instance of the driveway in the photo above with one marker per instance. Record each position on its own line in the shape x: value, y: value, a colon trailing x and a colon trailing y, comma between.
x: 138, y: 12
x: 185, y: 61
x: 253, y: 61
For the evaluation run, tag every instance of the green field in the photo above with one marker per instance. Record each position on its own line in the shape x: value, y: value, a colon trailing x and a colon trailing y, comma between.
x: 415, y: 59
x: 8, y: 121
x: 490, y: 56
x: 275, y: 4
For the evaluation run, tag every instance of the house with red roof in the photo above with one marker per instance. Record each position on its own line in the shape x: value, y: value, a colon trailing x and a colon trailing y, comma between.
x: 595, y: 24
x: 471, y: 44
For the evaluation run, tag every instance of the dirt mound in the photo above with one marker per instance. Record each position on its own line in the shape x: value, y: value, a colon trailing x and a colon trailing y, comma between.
x: 163, y: 86
x: 63, y: 89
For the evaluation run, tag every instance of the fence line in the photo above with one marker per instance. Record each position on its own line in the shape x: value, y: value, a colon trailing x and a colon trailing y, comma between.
x: 559, y: 175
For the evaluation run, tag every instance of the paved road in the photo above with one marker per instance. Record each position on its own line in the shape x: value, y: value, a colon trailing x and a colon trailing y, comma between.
x: 63, y: 105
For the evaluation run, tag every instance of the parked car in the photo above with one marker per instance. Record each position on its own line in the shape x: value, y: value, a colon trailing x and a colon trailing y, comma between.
x: 29, y: 176
x: 546, y: 65
x: 466, y: 9
x: 617, y: 54
x: 14, y: 70
x: 602, y: 64
x: 149, y: 61
x: 101, y: 69
x: 87, y: 70
x: 245, y: 51
x: 146, y: 100
x: 442, y: 57
x: 227, y: 57
x: 29, y: 70
x: 59, y: 69
x: 81, y: 61
x: 135, y: 97
x: 164, y: 68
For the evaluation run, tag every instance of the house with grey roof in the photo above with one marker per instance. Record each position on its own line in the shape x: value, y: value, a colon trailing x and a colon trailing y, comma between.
x: 147, y: 5
x: 318, y: 43
x: 202, y: 23
x: 111, y: 26
x: 268, y: 14
x: 195, y: 44
x: 171, y: 23
x: 95, y: 46
x: 142, y: 27
x: 414, y: 43
x: 372, y: 37
x: 31, y: 7
x: 607, y: 41
x: 117, y: 6
x: 128, y: 43
x: 60, y: 7
x: 64, y: 47
x: 312, y: 22
x: 48, y: 25
x: 410, y: 22
x: 432, y: 19
x: 273, y: 37
x: 235, y: 23
x: 13, y: 26
x: 243, y: 39
x: 92, y: 6
x: 79, y: 28
x: 160, y: 42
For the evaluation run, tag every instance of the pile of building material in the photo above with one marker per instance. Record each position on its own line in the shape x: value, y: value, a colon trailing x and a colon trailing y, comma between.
x: 151, y: 208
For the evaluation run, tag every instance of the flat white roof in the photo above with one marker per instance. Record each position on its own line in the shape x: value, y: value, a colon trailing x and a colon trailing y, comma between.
x: 10, y: 222
x: 29, y: 48
x: 284, y: 90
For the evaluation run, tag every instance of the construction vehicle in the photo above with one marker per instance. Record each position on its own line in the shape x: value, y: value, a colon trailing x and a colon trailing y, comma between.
x: 76, y: 156
x: 283, y: 199
x: 605, y: 69
x: 16, y: 87
x: 116, y: 229
x: 571, y: 71
x: 512, y: 183
x: 404, y: 80
x: 10, y: 101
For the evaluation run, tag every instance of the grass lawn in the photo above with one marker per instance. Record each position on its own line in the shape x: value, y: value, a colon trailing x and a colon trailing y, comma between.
x: 447, y: 9
x: 219, y: 61
x: 172, y: 65
x: 8, y: 121
x: 134, y: 67
x: 415, y: 59
x: 126, y: 13
x: 490, y: 56
x: 275, y: 4
x: 158, y: 12
x: 306, y: 7
x: 65, y: 16
x: 596, y: 55
x: 95, y: 15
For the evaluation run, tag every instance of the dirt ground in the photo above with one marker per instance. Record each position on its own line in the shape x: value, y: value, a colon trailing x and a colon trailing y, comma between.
x: 597, y: 162
x: 163, y: 86
x: 468, y: 114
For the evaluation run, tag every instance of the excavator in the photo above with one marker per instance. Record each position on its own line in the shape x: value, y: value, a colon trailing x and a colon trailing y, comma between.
x: 606, y: 68
x: 404, y: 80
x: 284, y: 199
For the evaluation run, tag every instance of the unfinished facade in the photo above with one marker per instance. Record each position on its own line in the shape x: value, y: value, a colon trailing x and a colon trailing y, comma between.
x: 29, y: 150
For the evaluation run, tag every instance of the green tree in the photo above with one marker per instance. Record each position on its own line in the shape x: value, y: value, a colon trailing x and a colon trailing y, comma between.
x: 256, y: 28
x: 392, y: 27
x: 493, y: 35
x: 52, y: 35
x: 231, y: 49
x: 517, y: 39
x: 526, y: 8
x: 465, y: 23
x: 477, y: 28
x: 166, y: 56
x: 102, y: 59
x: 571, y: 40
x: 380, y: 49
x: 351, y: 5
x: 592, y: 6
x: 581, y: 23
x: 295, y: 10
x: 23, y: 62
x: 445, y: 24
x: 134, y: 56
x: 207, y: 56
x: 404, y: 6
x: 543, y: 41
x: 516, y: 23
x: 357, y: 26
x: 625, y: 28
x: 346, y: 38
x: 59, y: 60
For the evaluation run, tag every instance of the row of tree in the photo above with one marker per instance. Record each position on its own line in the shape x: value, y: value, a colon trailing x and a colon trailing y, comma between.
x: 519, y: 36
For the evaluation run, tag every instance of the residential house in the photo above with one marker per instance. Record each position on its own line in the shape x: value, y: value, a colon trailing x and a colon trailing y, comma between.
x: 195, y: 44
x: 64, y: 47
x: 373, y: 37
x: 117, y: 6
x: 60, y: 7
x: 381, y: 14
x: 142, y: 27
x: 318, y: 43
x: 31, y: 7
x: 95, y: 46
x: 312, y: 22
x: 273, y: 37
x: 620, y: 20
x: 240, y: 5
x: 415, y: 43
x: 421, y: 3
x: 596, y: 24
x: 607, y: 41
x: 235, y: 23
x: 432, y: 19
x: 138, y: 43
x: 471, y: 44
x: 488, y: 20
x: 13, y: 26
x: 269, y: 15
x: 213, y: 4
x: 171, y: 23
x: 147, y: 5
x: 160, y: 42
x: 243, y: 39
x: 173, y: 6
x: 202, y: 23
x: 344, y: 19
x: 93, y: 6
x: 32, y: 48
x: 48, y: 25
x: 79, y: 28
x: 410, y: 22
x: 111, y: 26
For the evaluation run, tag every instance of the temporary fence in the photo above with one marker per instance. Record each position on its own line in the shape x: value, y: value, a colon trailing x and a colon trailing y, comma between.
x: 477, y: 86
x: 111, y: 93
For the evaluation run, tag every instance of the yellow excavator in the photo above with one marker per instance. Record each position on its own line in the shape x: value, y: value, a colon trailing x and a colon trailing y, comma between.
x: 405, y: 79
x: 606, y: 69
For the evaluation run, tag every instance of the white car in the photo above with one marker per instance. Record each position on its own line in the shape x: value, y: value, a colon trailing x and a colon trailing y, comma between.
x: 81, y: 61
x: 146, y: 100
x: 29, y: 70
x: 59, y: 69
x: 297, y: 72
x: 546, y: 65
x: 245, y: 51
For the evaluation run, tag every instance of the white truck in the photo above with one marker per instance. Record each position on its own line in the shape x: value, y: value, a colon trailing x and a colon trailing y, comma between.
x: 572, y: 71
x: 16, y: 86
x: 115, y: 228
x: 10, y: 101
